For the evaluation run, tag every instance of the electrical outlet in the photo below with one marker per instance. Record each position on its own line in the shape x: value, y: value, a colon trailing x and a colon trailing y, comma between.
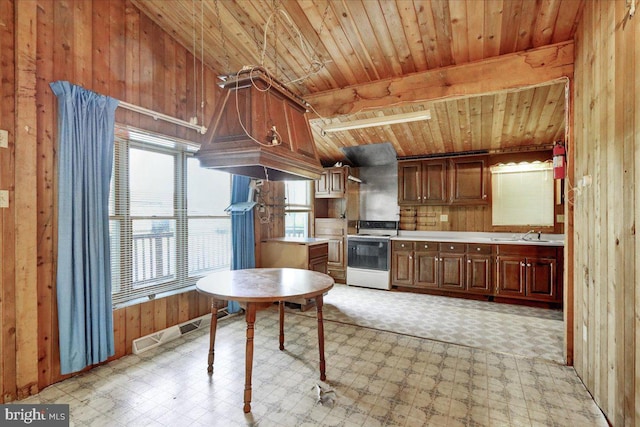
x: 4, y: 199
x: 444, y: 218
x: 4, y: 138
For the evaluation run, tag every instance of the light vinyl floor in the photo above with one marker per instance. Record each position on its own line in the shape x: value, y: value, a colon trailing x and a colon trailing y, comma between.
x: 379, y: 378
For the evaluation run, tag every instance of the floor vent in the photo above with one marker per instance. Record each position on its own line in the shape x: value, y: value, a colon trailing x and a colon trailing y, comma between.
x: 158, y: 338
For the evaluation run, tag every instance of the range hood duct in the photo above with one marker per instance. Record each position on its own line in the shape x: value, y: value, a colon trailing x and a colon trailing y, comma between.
x: 252, y: 106
x: 371, y: 154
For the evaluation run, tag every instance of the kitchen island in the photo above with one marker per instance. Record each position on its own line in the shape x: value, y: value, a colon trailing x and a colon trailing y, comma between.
x: 308, y: 253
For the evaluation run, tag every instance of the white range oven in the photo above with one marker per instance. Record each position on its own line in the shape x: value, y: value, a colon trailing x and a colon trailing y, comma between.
x: 369, y: 254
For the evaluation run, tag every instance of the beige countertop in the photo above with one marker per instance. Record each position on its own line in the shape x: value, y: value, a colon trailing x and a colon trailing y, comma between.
x: 482, y: 237
x: 298, y: 240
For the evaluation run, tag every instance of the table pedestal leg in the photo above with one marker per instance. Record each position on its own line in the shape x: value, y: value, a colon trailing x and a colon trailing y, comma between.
x: 212, y: 333
x: 321, y: 337
x: 281, y: 309
x: 251, y: 319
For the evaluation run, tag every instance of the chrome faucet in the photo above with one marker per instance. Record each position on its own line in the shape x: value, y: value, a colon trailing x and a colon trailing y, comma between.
x: 524, y: 236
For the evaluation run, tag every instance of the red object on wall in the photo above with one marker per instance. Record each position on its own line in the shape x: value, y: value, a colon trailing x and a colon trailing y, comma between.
x: 559, y: 161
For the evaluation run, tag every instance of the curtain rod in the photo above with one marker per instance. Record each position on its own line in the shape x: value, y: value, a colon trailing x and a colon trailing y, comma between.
x: 160, y: 116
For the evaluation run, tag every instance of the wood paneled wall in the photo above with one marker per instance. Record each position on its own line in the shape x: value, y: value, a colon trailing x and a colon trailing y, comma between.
x: 607, y: 213
x: 111, y: 48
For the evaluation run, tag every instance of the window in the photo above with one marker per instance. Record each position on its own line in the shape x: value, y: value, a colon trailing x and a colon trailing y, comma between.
x: 166, y: 217
x: 522, y: 194
x: 297, y: 209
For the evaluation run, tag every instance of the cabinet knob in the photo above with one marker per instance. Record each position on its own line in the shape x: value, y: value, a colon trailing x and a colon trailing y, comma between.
x: 522, y: 264
x: 468, y: 261
x: 450, y: 247
x: 477, y: 249
x: 410, y: 257
x: 528, y: 265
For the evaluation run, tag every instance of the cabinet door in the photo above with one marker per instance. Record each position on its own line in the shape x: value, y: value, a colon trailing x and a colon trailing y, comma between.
x: 478, y: 274
x: 541, y: 279
x: 335, y: 257
x: 451, y: 271
x: 434, y: 182
x: 426, y: 269
x: 322, y: 185
x: 336, y: 182
x: 511, y: 276
x: 319, y: 264
x: 469, y: 181
x: 409, y: 182
x: 402, y: 268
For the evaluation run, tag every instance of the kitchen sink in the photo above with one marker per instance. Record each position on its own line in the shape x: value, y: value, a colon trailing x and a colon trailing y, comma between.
x: 517, y: 239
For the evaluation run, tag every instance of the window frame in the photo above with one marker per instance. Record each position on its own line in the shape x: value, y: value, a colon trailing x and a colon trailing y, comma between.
x: 536, y: 166
x: 128, y: 292
x: 306, y: 208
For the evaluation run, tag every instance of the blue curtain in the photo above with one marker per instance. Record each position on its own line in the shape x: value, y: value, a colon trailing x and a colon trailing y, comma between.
x: 242, y: 235
x: 85, y: 156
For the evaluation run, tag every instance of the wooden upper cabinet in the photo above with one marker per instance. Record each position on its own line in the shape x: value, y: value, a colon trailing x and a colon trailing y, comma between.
x: 409, y: 183
x: 422, y: 182
x: 434, y: 182
x: 332, y: 183
x: 444, y: 181
x: 469, y: 180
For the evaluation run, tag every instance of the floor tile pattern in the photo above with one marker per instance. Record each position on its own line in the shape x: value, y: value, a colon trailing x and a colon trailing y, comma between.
x: 379, y: 378
x: 508, y: 328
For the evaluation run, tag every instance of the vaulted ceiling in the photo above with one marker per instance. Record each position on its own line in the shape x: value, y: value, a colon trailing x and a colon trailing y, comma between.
x: 467, y: 61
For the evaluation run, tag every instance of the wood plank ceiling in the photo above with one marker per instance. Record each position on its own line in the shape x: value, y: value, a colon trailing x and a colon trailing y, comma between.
x: 313, y: 46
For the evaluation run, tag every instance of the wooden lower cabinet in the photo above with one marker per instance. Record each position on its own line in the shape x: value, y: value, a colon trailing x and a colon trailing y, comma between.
x: 334, y: 230
x: 529, y: 272
x: 426, y: 269
x: 451, y: 263
x: 478, y: 274
x: 402, y: 262
x: 505, y: 271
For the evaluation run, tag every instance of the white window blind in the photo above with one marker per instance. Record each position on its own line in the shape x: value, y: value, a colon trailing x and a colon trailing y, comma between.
x: 298, y: 208
x: 166, y: 217
x: 522, y: 194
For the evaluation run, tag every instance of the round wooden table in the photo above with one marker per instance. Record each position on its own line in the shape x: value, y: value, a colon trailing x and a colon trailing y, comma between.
x: 259, y: 288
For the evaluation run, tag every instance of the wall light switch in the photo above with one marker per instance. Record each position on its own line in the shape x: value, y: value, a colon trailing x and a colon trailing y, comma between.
x: 4, y: 198
x: 560, y: 218
x: 444, y: 218
x: 4, y: 138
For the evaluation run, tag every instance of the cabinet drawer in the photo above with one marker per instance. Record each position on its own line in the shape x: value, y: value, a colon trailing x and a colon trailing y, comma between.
x: 527, y: 250
x: 452, y: 247
x: 402, y: 245
x: 331, y: 227
x: 474, y: 248
x: 317, y: 251
x: 426, y: 246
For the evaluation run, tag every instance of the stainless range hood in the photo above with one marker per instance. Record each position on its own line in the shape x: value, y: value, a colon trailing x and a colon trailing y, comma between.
x: 254, y: 112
